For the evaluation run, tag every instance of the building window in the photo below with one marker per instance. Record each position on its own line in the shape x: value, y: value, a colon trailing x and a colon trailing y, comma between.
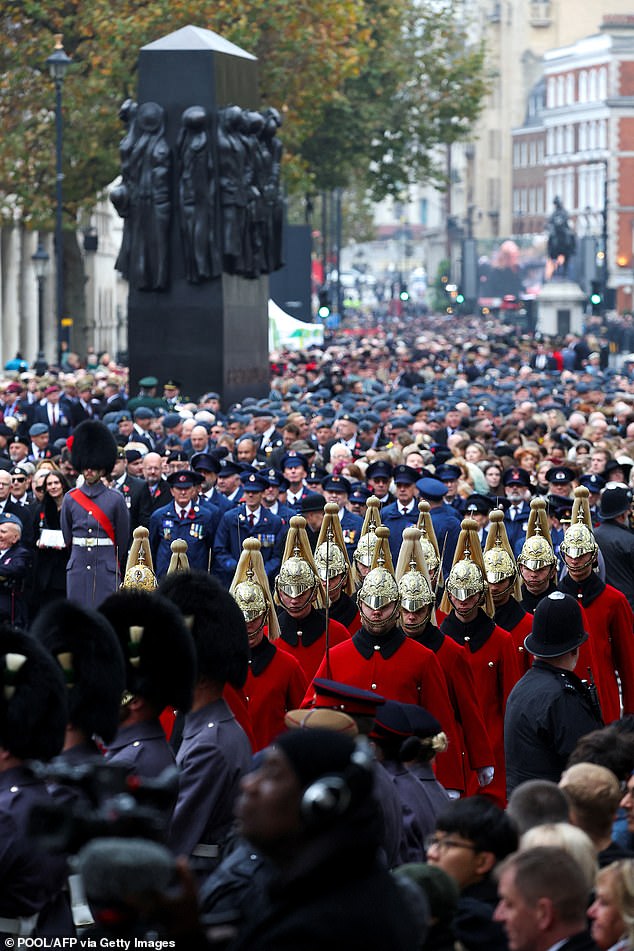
x: 583, y: 136
x: 583, y: 86
x: 540, y: 151
x: 570, y: 89
x: 550, y: 93
x: 592, y: 90
x: 523, y: 154
x: 531, y: 153
x: 560, y: 91
x: 603, y: 83
x: 550, y: 142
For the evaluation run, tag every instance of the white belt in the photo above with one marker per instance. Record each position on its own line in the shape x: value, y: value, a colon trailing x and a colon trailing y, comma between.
x: 18, y: 926
x: 202, y: 851
x: 92, y: 542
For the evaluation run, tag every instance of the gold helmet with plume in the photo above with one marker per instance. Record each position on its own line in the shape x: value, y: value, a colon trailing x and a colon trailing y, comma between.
x: 537, y: 551
x: 139, y: 570
x: 428, y: 540
x: 414, y: 584
x: 499, y: 562
x: 298, y: 573
x: 579, y: 538
x: 468, y: 575
x: 250, y: 588
x: 379, y: 585
x: 331, y: 556
x: 364, y: 552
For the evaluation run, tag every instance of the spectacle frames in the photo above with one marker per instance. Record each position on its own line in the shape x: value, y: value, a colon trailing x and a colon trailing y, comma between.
x: 18, y: 480
x: 442, y: 843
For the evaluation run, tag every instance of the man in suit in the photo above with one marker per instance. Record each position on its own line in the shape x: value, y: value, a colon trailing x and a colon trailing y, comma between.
x: 134, y: 491
x: 40, y: 439
x: 54, y: 412
x: 82, y: 406
x: 142, y: 433
x: 452, y: 424
x: 250, y: 519
x: 403, y: 513
x: 379, y: 476
x: 208, y: 466
x: 262, y: 423
x: 295, y: 469
x: 158, y: 487
x: 543, y: 899
x: 517, y: 490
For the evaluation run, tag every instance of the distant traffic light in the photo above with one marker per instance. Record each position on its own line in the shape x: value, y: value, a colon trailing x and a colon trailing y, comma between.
x: 459, y: 298
x: 596, y: 297
x: 404, y: 293
x: 324, y: 302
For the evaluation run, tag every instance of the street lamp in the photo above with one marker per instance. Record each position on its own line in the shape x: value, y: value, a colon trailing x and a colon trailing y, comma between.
x: 40, y: 265
x: 58, y: 63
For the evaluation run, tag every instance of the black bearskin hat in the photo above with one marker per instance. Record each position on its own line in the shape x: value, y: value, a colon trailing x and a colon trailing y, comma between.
x: 94, y: 447
x: 87, y: 649
x: 159, y: 651
x: 217, y: 623
x: 33, y: 703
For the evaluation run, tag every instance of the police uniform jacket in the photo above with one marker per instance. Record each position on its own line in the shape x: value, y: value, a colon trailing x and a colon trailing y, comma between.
x: 610, y: 646
x: 296, y: 505
x: 398, y: 668
x: 516, y: 527
x: 616, y: 544
x: 493, y: 660
x: 419, y: 817
x: 305, y: 638
x: 216, y: 498
x: 275, y: 684
x: 197, y: 528
x: 547, y: 712
x: 213, y: 756
x: 471, y: 731
x: 393, y: 518
x: 232, y: 531
x: 33, y: 881
x: 351, y: 526
x: 92, y: 571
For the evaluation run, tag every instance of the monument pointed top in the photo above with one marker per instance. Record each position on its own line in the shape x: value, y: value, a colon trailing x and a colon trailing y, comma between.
x: 197, y: 38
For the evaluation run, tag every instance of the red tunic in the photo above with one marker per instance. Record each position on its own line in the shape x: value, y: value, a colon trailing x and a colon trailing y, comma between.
x: 513, y: 618
x: 475, y: 746
x: 401, y: 670
x: 608, y: 616
x: 305, y: 639
x: 275, y: 684
x: 493, y: 660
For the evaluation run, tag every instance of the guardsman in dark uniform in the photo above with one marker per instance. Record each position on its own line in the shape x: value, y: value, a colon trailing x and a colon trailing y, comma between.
x: 517, y: 484
x: 182, y: 518
x: 214, y: 752
x: 209, y: 466
x: 160, y: 668
x: 270, y: 499
x: 337, y: 490
x: 94, y: 519
x: 550, y: 708
x: 444, y: 518
x: 249, y: 520
x: 33, y: 717
x: 379, y: 476
x: 403, y: 513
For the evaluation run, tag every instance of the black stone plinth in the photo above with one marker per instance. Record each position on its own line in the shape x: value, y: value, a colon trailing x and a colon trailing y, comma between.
x: 212, y: 335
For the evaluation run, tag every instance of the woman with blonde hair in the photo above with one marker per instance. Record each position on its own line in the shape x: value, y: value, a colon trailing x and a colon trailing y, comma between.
x: 612, y: 911
x: 571, y: 839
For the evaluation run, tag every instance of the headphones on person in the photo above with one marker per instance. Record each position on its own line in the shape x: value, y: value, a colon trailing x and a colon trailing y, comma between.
x: 330, y: 797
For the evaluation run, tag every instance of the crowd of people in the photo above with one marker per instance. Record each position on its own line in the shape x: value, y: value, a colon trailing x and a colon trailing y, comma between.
x: 380, y: 621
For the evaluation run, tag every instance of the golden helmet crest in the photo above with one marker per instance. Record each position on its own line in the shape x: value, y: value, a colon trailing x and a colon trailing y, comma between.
x: 140, y: 576
x: 498, y: 564
x: 250, y: 599
x: 536, y: 553
x: 430, y: 555
x: 415, y: 591
x: 577, y: 541
x: 330, y: 561
x: 295, y: 577
x: 364, y: 552
x: 378, y: 589
x: 465, y: 579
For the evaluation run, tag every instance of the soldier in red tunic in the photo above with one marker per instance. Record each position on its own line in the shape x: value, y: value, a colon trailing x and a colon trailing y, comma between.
x: 333, y: 567
x: 380, y: 658
x: 276, y: 682
x: 607, y: 614
x: 490, y: 649
x: 300, y: 597
x: 504, y: 585
x: 418, y: 621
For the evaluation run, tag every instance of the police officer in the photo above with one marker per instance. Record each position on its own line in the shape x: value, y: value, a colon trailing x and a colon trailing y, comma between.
x: 183, y: 518
x: 250, y: 519
x: 550, y: 708
x: 403, y: 513
x: 337, y: 489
